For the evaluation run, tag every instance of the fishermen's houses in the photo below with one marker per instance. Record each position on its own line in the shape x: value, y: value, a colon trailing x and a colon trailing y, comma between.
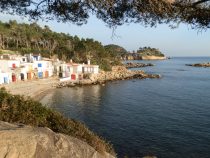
x: 74, y: 71
x: 14, y: 68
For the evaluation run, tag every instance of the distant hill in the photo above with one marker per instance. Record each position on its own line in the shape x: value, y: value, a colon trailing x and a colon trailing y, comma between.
x: 148, y: 51
x: 115, y: 49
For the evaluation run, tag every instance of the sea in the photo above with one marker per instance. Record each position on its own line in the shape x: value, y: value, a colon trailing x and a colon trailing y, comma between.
x: 167, y: 117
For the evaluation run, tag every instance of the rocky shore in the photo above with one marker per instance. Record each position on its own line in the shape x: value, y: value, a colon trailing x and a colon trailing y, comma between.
x: 117, y: 73
x: 137, y: 65
x: 199, y: 65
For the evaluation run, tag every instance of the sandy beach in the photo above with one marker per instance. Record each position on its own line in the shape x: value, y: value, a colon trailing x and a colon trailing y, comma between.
x: 35, y: 89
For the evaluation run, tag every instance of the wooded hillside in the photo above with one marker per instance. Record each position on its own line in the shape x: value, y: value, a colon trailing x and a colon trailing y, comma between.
x: 32, y: 38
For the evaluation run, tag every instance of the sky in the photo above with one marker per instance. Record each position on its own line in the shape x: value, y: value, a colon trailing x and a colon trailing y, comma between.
x: 182, y: 41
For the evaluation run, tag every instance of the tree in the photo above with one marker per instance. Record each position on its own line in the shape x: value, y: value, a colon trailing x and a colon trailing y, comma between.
x: 114, y: 12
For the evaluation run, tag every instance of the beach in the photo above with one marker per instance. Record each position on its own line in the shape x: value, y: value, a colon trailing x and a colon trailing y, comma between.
x: 35, y: 89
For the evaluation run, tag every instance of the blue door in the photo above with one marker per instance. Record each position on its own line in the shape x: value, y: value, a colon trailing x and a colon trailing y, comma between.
x: 40, y: 74
x: 39, y: 65
x: 5, y: 80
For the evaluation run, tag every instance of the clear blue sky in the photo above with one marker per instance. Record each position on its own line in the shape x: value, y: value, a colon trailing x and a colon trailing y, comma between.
x: 182, y: 41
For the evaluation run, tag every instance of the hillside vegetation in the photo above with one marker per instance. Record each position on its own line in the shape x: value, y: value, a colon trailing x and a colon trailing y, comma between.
x: 17, y: 109
x: 32, y: 38
x: 115, y: 50
x: 147, y: 51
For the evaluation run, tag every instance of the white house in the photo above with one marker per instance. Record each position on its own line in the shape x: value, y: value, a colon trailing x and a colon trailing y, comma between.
x: 21, y: 58
x: 77, y: 68
x: 63, y: 70
x: 75, y: 71
x: 33, y: 57
x: 90, y: 69
x: 23, y: 73
x: 11, y: 68
x: 24, y: 67
x: 27, y: 71
x: 7, y: 65
x: 44, y: 67
x: 69, y: 70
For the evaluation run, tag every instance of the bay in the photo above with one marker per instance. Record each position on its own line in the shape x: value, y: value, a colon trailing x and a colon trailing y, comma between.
x: 167, y: 117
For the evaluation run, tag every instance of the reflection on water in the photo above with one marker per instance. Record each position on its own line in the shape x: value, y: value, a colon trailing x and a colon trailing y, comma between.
x: 68, y: 98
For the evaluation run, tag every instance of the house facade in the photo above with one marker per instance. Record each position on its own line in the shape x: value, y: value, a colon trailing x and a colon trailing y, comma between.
x: 90, y: 69
x: 21, y: 68
x: 10, y: 69
x: 14, y: 68
x: 74, y: 71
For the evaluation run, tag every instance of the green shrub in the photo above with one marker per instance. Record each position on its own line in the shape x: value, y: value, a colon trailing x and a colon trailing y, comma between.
x: 105, y: 65
x: 17, y: 109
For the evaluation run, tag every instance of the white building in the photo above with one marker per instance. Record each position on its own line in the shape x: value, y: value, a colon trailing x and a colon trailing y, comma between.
x: 7, y: 65
x: 11, y: 68
x: 75, y: 71
x: 22, y: 59
x: 24, y: 67
x: 33, y: 57
x: 90, y: 69
x: 44, y: 67
x: 77, y: 68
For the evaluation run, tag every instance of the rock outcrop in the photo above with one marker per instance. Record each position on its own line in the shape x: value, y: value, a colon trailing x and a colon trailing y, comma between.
x: 199, y: 65
x: 148, y: 57
x: 20, y: 141
x: 117, y: 73
x: 137, y: 65
x: 121, y: 73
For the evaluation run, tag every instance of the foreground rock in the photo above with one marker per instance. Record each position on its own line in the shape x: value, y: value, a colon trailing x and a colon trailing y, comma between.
x: 137, y: 65
x: 199, y: 65
x: 20, y: 141
x: 117, y: 73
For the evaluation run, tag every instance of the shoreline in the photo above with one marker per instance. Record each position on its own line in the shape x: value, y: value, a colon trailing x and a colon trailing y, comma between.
x: 118, y: 73
x: 38, y: 89
x: 130, y: 65
x: 204, y: 65
x: 43, y: 94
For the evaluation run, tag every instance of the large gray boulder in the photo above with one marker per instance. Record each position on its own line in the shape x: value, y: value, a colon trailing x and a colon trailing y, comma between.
x: 20, y: 141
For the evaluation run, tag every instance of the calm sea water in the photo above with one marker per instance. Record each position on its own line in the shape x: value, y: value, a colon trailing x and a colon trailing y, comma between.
x: 168, y: 117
